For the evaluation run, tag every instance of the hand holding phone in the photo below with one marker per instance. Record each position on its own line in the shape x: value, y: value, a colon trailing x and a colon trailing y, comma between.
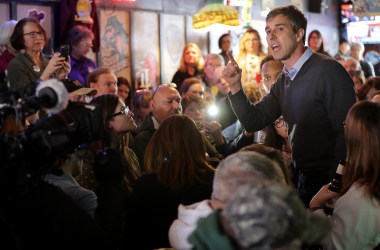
x: 64, y: 50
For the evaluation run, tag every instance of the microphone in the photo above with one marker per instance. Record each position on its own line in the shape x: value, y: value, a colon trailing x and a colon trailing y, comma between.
x: 52, y: 95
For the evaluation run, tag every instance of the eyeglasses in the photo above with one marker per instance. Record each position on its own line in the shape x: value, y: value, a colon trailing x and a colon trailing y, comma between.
x: 279, y: 123
x: 213, y: 65
x: 124, y: 111
x: 34, y: 34
x: 172, y: 85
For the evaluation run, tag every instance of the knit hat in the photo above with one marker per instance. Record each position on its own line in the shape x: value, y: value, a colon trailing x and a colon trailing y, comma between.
x: 75, y: 88
x: 267, y: 216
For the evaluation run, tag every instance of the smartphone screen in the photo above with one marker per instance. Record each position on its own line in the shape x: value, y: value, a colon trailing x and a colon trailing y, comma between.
x: 64, y: 49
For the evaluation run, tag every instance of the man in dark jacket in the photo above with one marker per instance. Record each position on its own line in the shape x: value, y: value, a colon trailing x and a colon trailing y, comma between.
x: 314, y: 94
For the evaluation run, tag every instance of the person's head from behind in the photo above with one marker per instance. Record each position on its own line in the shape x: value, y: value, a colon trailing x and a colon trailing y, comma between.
x: 357, y: 50
x: 362, y: 136
x: 271, y: 216
x: 166, y: 101
x: 239, y: 169
x: 80, y: 39
x: 191, y: 57
x: 117, y: 118
x: 273, y: 154
x: 212, y: 61
x: 224, y: 42
x: 285, y: 29
x: 315, y: 41
x: 141, y: 103
x: 192, y: 85
x: 250, y: 43
x: 194, y: 107
x: 103, y: 80
x: 6, y: 30
x: 253, y: 92
x: 28, y: 34
x: 123, y: 88
x: 270, y: 70
x: 178, y: 158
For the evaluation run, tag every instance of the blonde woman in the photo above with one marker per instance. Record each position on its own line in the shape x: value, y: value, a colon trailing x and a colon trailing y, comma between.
x: 191, y: 64
x: 250, y: 55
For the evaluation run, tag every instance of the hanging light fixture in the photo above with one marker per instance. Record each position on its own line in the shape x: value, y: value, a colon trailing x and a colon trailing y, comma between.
x: 215, y: 13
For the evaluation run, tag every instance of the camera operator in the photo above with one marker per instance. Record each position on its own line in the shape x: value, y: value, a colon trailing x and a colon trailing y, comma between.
x: 34, y: 213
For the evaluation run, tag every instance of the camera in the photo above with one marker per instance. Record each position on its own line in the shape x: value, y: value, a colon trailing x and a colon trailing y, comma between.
x: 30, y: 154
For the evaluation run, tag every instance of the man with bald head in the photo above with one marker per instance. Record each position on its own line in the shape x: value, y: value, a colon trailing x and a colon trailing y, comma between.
x: 166, y: 101
x: 355, y: 70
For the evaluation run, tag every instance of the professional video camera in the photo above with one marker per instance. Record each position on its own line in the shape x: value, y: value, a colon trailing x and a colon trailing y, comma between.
x: 32, y: 153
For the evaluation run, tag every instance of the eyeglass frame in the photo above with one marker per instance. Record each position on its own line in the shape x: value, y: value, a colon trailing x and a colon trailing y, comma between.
x: 124, y: 111
x: 34, y: 34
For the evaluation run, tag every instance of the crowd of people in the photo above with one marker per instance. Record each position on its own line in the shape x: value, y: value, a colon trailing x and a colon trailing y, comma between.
x: 237, y: 152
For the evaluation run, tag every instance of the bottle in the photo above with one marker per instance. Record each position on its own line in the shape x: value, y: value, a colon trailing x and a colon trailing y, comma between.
x: 335, y: 186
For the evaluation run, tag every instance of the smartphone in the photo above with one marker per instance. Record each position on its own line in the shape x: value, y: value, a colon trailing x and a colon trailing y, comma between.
x: 64, y: 50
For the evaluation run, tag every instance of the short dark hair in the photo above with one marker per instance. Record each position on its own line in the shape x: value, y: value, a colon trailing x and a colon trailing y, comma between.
x: 17, y: 38
x: 221, y: 38
x: 295, y: 16
x: 77, y: 33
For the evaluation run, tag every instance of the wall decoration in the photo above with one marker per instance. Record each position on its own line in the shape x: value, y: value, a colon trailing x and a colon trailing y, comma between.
x: 42, y: 12
x: 145, y: 47
x: 115, y: 41
x: 172, y: 35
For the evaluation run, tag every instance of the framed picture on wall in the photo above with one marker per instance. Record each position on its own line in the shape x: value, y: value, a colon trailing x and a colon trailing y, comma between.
x: 145, y: 47
x: 42, y: 13
x: 4, y: 12
x: 172, y: 35
x: 115, y: 50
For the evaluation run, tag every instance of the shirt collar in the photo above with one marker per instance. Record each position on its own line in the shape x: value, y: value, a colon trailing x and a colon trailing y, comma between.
x: 156, y: 124
x: 293, y: 71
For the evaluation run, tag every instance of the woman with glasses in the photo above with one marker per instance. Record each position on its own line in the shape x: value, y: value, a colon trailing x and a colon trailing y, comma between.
x: 31, y: 65
x: 118, y: 121
x: 80, y: 40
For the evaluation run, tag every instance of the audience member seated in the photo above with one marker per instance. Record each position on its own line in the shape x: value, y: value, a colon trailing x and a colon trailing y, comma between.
x: 233, y: 172
x: 212, y: 61
x: 118, y: 121
x: 166, y: 101
x: 177, y: 173
x: 7, y: 52
x: 124, y: 90
x: 355, y: 71
x: 315, y: 42
x: 103, y: 80
x: 80, y: 40
x: 192, y: 85
x: 356, y: 217
x: 344, y: 50
x: 191, y: 64
x: 370, y: 86
x: 357, y: 51
x: 141, y: 106
x: 32, y: 65
x: 261, y: 216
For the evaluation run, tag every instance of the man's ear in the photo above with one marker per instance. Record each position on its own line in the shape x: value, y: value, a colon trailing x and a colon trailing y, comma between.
x: 151, y: 104
x: 300, y: 34
x: 92, y: 85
